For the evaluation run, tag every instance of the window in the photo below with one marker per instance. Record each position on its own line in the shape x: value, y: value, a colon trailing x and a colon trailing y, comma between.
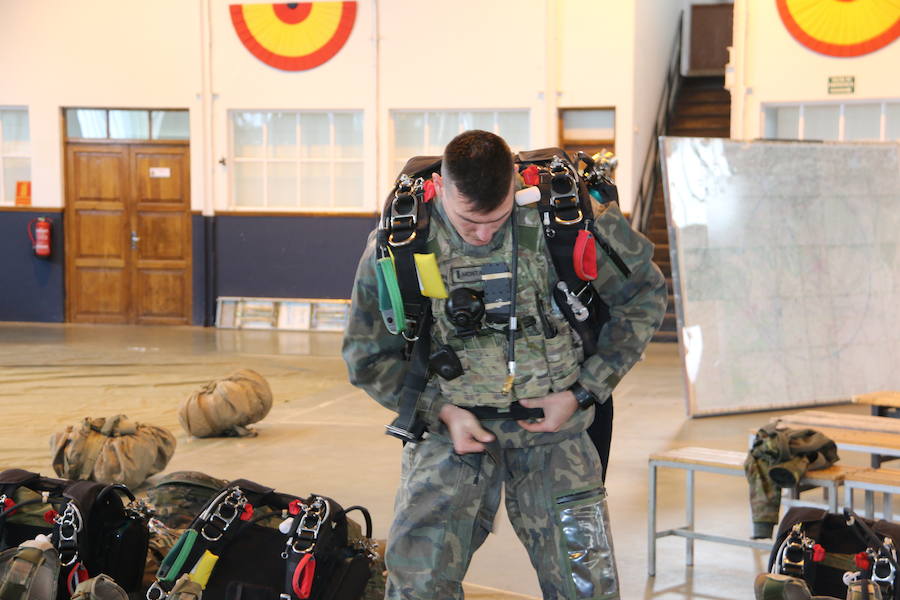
x: 587, y: 129
x: 426, y: 133
x: 127, y: 124
x: 857, y: 121
x: 309, y: 160
x: 15, y: 152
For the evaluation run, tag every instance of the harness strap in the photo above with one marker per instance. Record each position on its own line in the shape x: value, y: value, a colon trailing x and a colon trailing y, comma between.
x: 407, y: 426
x: 515, y: 412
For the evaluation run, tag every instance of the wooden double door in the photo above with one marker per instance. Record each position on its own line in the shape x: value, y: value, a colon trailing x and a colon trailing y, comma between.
x: 128, y: 233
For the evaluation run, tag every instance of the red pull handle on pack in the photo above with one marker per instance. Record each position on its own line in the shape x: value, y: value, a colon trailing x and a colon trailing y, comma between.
x: 584, y: 257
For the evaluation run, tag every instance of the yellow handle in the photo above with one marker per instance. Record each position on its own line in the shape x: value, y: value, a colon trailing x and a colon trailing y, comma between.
x: 204, y: 568
x: 430, y: 282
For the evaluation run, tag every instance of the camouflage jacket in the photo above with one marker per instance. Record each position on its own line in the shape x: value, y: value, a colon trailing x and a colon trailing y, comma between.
x: 778, y: 458
x: 637, y: 303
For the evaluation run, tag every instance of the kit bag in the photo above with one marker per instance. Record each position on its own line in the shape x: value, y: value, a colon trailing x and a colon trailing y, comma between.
x: 252, y: 543
x: 101, y: 587
x: 224, y: 407
x: 177, y: 498
x: 821, y: 547
x: 111, y: 450
x: 29, y: 571
x: 87, y: 522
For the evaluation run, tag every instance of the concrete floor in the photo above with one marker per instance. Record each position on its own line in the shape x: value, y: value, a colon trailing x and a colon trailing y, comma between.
x: 325, y: 436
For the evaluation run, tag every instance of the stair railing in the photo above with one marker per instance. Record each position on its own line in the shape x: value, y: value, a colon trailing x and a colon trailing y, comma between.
x: 643, y: 205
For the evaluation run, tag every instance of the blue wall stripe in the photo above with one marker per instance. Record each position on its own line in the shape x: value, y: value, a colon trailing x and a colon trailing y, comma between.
x: 31, y: 288
x: 280, y: 256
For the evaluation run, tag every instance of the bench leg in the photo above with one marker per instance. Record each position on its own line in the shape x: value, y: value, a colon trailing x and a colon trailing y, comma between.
x: 651, y: 522
x: 689, y: 513
x: 870, y: 504
x: 887, y: 510
x: 831, y: 496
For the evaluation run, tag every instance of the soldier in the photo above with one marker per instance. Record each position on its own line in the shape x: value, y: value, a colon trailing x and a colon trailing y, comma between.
x: 451, y: 480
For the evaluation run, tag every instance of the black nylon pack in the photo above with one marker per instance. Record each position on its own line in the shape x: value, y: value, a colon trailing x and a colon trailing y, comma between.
x: 835, y: 535
x: 259, y: 561
x: 108, y: 537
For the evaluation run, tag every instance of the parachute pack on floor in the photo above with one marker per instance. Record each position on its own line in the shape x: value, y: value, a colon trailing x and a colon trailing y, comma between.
x: 87, y: 523
x: 250, y: 542
x: 829, y: 551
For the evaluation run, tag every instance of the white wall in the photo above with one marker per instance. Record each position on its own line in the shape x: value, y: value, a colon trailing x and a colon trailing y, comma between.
x: 596, y: 69
x: 539, y: 55
x: 654, y: 41
x: 94, y: 53
x: 771, y: 66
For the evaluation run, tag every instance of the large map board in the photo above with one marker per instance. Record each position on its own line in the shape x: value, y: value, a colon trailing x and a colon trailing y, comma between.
x: 786, y: 268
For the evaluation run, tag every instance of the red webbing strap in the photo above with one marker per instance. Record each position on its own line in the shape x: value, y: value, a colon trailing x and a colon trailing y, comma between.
x: 307, y: 568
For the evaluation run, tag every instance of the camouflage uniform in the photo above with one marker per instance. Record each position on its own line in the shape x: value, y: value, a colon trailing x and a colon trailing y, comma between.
x: 554, y: 494
x: 778, y: 458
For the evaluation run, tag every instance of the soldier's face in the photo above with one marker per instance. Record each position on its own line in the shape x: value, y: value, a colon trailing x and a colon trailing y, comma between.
x: 476, y: 228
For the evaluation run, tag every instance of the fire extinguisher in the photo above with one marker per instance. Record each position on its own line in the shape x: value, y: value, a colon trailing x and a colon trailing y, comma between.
x: 39, y: 234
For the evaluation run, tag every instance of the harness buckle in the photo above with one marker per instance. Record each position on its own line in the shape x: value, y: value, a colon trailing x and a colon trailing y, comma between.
x: 155, y: 592
x: 405, y: 210
x: 564, y: 192
x: 220, y: 515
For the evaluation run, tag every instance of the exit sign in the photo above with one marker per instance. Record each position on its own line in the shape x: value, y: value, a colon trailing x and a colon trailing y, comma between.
x: 841, y: 84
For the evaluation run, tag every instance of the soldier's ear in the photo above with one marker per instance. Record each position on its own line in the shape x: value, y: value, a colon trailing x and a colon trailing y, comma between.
x: 438, y: 184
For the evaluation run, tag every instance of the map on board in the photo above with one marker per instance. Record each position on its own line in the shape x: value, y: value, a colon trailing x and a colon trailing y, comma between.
x: 786, y: 268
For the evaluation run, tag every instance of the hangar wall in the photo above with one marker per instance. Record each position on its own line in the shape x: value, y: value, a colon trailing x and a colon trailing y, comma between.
x: 533, y: 55
x: 769, y: 66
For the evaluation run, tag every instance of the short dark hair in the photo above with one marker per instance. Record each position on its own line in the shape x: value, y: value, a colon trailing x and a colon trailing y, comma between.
x: 480, y: 165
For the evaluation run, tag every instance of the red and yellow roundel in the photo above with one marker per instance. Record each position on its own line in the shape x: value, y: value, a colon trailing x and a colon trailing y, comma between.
x: 842, y: 27
x: 294, y: 36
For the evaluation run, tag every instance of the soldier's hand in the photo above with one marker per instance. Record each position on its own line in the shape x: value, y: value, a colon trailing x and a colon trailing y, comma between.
x: 465, y: 430
x: 558, y: 408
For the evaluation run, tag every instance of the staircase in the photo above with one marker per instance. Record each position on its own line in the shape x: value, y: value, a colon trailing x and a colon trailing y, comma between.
x: 702, y: 109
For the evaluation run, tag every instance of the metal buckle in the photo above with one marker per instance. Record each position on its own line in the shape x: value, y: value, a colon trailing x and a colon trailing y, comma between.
x: 220, y: 515
x: 563, y: 186
x: 155, y: 592
x: 307, y: 524
x: 405, y: 209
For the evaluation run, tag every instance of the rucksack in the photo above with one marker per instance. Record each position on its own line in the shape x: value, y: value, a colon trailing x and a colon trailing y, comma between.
x: 177, y: 498
x: 101, y: 587
x: 87, y: 522
x: 29, y: 571
x: 231, y: 552
x: 821, y: 547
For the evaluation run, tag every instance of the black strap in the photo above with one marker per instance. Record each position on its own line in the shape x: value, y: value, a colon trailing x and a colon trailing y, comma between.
x: 407, y: 426
x: 515, y: 412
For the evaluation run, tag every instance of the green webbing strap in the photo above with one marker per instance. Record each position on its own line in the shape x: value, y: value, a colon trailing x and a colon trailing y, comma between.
x: 171, y: 565
x: 22, y: 569
x: 842, y: 562
x: 389, y: 295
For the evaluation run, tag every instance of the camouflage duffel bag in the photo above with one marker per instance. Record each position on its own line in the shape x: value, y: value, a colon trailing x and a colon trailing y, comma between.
x: 111, y: 450
x: 177, y: 497
x: 224, y: 407
x: 101, y: 587
x: 30, y: 571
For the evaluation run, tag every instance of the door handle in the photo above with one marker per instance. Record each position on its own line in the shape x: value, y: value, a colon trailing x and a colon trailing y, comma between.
x: 135, y: 238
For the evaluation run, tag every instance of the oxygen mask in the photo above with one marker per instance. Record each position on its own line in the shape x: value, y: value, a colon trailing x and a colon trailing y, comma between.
x: 465, y: 309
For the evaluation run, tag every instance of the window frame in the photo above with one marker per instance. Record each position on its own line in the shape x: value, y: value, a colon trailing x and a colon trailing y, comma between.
x: 3, y: 156
x: 265, y: 160
x: 801, y: 122
x: 110, y: 140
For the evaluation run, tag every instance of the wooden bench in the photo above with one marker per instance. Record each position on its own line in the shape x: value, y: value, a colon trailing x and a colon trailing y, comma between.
x: 885, y: 481
x: 878, y: 436
x: 723, y: 462
x: 883, y: 403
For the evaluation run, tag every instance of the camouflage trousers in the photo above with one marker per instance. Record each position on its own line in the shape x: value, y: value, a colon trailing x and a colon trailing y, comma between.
x: 446, y: 505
